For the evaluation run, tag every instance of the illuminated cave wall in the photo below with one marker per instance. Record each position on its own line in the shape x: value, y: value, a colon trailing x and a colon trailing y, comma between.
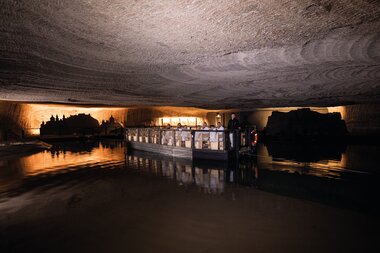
x: 152, y: 116
x: 36, y: 113
x: 18, y: 117
x: 361, y: 120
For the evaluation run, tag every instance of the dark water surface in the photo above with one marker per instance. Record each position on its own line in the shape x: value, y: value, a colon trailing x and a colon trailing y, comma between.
x: 96, y: 197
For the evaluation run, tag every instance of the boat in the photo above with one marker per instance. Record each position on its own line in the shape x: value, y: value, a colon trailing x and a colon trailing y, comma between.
x: 181, y: 143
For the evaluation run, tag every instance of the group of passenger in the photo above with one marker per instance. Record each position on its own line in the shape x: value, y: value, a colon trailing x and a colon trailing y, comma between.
x: 215, y: 132
x: 218, y: 127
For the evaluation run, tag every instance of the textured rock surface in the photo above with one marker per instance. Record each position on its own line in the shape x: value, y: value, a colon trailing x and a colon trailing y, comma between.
x: 215, y: 53
x: 12, y: 121
x: 362, y: 119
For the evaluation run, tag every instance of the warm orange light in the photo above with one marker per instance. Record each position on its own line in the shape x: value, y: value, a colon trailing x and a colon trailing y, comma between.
x: 34, y: 131
x: 339, y: 109
x: 34, y: 114
x: 322, y: 168
x: 55, y: 162
x: 189, y: 121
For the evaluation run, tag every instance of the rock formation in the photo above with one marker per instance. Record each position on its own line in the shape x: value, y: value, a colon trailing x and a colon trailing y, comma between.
x: 305, y: 124
x: 76, y: 124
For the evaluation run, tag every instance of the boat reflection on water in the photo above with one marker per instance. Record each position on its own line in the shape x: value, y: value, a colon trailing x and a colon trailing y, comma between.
x: 323, y: 177
x: 342, y: 176
x: 208, y: 176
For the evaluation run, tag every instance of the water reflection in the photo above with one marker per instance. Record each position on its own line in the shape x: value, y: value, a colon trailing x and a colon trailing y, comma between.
x: 330, y: 177
x: 64, y: 157
x: 305, y: 152
x: 208, y: 177
x: 327, y: 181
x: 60, y: 159
x: 330, y: 161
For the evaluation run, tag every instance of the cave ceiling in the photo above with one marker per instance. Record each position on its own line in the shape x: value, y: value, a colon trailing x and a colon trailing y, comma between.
x: 201, y: 53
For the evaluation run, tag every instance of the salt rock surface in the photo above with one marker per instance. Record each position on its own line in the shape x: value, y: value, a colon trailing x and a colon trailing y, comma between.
x: 210, y: 54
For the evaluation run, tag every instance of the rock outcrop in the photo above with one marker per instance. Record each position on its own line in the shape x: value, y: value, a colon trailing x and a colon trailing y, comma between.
x: 76, y: 124
x: 304, y: 124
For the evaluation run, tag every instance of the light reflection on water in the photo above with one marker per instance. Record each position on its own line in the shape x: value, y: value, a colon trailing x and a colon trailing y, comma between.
x: 319, y: 161
x: 62, y: 158
x: 58, y: 160
x: 321, y: 168
x: 325, y: 176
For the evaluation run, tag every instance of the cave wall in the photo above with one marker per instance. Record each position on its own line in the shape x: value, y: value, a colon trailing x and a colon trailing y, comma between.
x: 19, y: 118
x: 259, y: 117
x: 42, y: 112
x: 361, y: 120
x: 12, y: 120
x: 148, y: 116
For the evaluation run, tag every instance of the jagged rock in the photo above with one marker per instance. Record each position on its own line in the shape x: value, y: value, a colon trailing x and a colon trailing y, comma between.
x: 304, y: 123
x: 75, y: 124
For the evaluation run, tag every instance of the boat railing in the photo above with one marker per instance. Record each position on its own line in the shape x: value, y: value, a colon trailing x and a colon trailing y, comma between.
x: 186, y: 138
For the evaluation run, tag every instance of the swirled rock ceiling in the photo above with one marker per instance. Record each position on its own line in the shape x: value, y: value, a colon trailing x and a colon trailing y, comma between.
x: 204, y: 53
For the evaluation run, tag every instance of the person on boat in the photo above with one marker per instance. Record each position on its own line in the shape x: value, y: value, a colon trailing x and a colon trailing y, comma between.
x: 178, y: 137
x: 185, y: 134
x: 205, y: 126
x: 197, y: 134
x: 205, y: 135
x: 234, y: 128
x: 219, y: 126
x: 213, y: 134
x: 166, y: 135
